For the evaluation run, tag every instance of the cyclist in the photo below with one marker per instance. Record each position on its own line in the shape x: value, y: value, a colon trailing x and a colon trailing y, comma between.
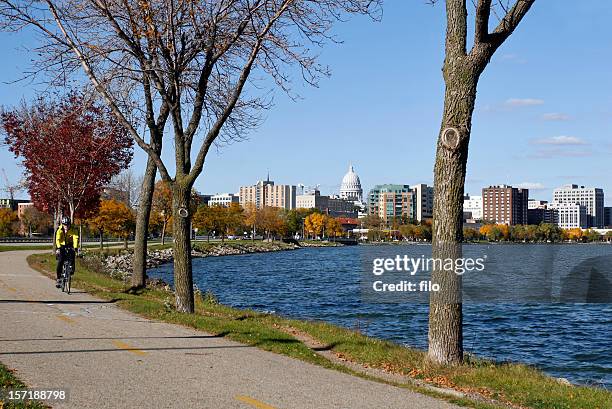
x: 65, y: 238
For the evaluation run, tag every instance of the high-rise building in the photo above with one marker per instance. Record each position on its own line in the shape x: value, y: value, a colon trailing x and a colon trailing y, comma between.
x: 266, y: 194
x: 423, y: 201
x: 472, y: 206
x: 391, y: 202
x: 350, y: 188
x: 223, y: 199
x: 505, y: 204
x: 333, y: 206
x: 589, y: 197
x: 570, y: 215
x: 396, y: 207
x: 608, y: 217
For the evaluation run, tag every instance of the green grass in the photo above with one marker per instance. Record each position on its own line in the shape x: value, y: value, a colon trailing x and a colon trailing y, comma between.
x: 25, y: 247
x: 513, y: 384
x: 8, y: 380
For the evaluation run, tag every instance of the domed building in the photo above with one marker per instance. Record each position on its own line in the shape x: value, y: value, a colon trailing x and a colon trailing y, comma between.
x: 350, y: 188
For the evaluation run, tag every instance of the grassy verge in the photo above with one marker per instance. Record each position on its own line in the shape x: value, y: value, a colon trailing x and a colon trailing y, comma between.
x: 8, y: 380
x: 25, y: 247
x: 513, y: 384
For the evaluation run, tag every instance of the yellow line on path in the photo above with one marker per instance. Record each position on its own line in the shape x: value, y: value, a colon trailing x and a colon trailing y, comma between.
x: 123, y: 345
x: 254, y: 402
x: 65, y: 318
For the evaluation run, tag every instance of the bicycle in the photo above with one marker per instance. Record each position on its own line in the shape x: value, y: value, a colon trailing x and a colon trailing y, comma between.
x: 67, y: 271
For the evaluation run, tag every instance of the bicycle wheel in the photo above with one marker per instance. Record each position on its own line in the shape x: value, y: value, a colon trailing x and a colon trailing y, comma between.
x: 68, y: 280
x: 63, y: 277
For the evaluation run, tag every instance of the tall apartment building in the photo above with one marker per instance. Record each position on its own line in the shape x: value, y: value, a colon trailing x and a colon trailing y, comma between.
x: 396, y: 207
x: 334, y: 206
x: 608, y: 216
x: 374, y: 195
x: 222, y: 199
x: 392, y: 202
x: 570, y: 215
x: 472, y: 207
x: 505, y: 204
x: 266, y: 194
x: 423, y: 201
x: 589, y: 197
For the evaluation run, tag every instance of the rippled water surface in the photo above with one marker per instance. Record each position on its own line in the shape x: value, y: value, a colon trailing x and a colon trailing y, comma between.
x: 564, y: 339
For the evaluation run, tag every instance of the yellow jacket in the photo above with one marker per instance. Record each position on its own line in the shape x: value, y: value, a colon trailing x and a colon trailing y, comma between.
x: 65, y: 239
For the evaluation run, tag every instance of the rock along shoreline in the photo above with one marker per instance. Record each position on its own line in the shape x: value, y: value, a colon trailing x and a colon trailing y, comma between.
x: 119, y: 265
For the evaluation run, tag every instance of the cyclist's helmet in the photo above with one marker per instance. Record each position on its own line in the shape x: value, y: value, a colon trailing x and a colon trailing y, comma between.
x: 66, y: 220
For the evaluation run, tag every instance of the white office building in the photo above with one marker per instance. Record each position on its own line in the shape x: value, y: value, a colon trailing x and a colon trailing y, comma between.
x: 473, y: 206
x: 589, y: 197
x: 223, y: 199
x: 570, y: 215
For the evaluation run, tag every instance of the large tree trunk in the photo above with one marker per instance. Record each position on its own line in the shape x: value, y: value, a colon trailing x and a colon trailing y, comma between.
x: 445, y: 310
x: 181, y: 219
x: 142, y: 225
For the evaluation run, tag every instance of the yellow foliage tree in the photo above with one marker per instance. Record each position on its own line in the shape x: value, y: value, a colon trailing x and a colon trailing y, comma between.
x: 333, y: 226
x: 8, y: 222
x: 575, y: 234
x: 314, y: 223
x: 114, y: 218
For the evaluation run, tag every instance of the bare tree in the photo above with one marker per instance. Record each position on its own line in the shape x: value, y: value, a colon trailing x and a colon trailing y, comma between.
x: 126, y: 187
x: 186, y: 64
x: 462, y: 70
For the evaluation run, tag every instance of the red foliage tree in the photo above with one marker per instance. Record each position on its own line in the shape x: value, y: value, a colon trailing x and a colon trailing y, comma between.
x: 70, y: 148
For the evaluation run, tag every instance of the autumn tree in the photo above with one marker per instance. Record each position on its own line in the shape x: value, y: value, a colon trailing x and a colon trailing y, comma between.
x: 206, y: 219
x: 252, y: 218
x: 70, y: 149
x: 188, y: 64
x: 314, y: 224
x: 272, y: 221
x: 461, y: 71
x: 333, y: 226
x: 34, y: 220
x: 114, y: 218
x: 234, y: 218
x: 161, y: 206
x: 8, y: 222
x: 294, y: 219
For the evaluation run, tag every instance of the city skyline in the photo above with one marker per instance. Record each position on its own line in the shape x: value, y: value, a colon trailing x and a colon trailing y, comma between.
x: 550, y: 128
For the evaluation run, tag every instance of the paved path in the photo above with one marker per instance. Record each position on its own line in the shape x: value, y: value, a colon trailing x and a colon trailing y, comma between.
x: 110, y: 358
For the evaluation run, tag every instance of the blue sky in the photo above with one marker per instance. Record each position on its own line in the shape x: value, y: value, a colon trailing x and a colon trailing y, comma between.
x: 543, y: 116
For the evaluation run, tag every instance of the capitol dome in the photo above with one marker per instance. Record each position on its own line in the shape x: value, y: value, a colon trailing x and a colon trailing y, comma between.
x: 350, y: 188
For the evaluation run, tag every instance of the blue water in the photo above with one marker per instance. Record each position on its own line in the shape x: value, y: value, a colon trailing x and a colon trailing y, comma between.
x: 566, y: 340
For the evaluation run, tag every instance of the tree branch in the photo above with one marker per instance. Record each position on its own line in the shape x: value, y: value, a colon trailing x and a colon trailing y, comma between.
x: 105, y: 94
x: 216, y: 128
x: 483, y: 12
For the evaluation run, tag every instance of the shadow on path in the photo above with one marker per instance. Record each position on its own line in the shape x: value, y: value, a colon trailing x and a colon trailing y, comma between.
x: 221, y: 335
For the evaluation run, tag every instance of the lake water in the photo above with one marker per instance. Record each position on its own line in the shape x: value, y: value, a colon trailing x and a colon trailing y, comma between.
x: 569, y: 340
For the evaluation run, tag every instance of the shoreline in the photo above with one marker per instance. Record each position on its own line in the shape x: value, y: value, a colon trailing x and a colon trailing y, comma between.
x: 118, y: 263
